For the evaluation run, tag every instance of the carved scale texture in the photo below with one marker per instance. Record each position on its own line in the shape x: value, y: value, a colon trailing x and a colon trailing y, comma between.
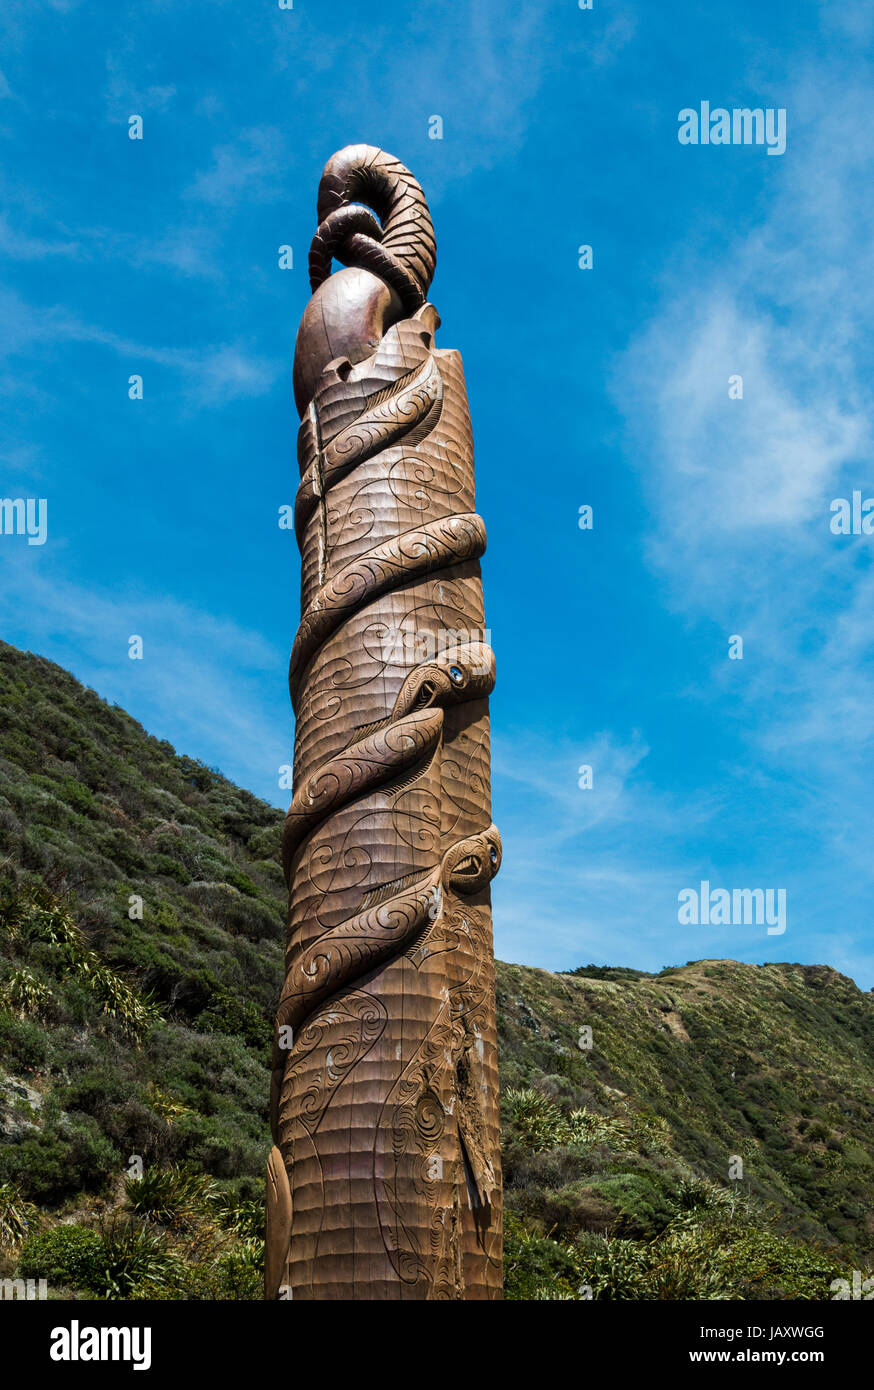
x: 384, y: 1182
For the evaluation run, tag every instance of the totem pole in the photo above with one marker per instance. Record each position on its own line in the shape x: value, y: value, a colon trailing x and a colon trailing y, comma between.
x: 384, y: 1181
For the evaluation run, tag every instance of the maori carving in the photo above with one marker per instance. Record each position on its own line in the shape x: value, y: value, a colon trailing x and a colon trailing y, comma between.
x: 384, y: 1180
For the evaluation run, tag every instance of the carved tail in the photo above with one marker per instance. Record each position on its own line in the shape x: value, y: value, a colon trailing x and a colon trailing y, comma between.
x: 400, y: 247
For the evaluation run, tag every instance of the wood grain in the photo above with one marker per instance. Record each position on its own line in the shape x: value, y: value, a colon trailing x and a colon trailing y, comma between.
x: 385, y: 1179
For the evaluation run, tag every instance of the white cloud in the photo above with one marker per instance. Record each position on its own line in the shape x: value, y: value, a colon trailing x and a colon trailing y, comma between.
x: 739, y: 489
x: 251, y: 168
x: 128, y: 90
x: 591, y: 874
x: 200, y: 683
x: 21, y: 247
x: 546, y: 769
x: 214, y: 373
x: 486, y: 95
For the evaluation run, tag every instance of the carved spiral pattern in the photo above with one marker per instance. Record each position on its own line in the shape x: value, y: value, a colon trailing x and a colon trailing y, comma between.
x: 402, y: 250
x: 385, y: 1179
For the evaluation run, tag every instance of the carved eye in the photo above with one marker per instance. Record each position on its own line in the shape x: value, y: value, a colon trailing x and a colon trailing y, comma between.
x: 493, y: 854
x: 456, y: 675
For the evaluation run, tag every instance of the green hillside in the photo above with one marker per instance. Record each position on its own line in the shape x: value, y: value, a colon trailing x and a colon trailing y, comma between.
x: 141, y: 929
x: 638, y: 1136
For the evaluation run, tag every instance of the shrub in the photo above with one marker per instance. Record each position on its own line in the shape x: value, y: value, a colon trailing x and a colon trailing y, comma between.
x: 586, y: 1128
x: 60, y: 1160
x: 615, y: 1269
x: 237, y: 1274
x: 681, y: 1271
x: 244, y: 1216
x: 23, y: 1042
x: 24, y: 994
x: 697, y: 1194
x: 65, y: 1255
x: 236, y: 1016
x: 566, y: 1213
x: 541, y: 1125
x: 164, y: 1105
x: 170, y: 1195
x: 242, y: 882
x: 538, y: 1121
x: 644, y: 1204
x: 533, y: 1263
x: 37, y: 915
x: 129, y: 1253
x: 17, y: 1215
x: 265, y: 843
x: 760, y: 1263
x: 134, y: 1012
x: 77, y: 796
x: 170, y: 868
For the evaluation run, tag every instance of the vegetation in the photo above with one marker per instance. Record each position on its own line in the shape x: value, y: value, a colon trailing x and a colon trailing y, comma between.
x: 17, y: 1216
x: 122, y: 1258
x: 170, y: 1195
x: 701, y: 1133
x: 715, y: 1140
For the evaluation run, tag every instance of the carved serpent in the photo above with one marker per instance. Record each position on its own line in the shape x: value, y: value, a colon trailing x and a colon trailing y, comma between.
x: 384, y: 1181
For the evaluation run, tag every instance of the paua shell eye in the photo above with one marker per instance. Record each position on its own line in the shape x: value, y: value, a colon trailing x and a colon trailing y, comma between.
x: 493, y: 854
x: 456, y: 675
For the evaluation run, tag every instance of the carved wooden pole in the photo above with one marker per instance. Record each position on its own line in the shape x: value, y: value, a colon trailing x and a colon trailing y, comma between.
x: 384, y: 1182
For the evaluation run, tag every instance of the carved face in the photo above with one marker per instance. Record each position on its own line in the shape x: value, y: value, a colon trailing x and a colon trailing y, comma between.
x: 472, y: 863
x: 466, y: 673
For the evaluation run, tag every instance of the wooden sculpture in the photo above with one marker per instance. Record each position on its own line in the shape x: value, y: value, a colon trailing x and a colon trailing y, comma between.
x: 384, y: 1182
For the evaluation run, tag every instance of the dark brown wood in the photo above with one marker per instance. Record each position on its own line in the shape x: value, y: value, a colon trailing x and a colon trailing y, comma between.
x: 385, y: 1180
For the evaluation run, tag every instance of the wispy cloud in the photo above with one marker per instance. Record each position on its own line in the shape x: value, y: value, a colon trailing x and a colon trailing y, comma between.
x: 549, y: 770
x: 248, y: 168
x: 128, y: 89
x: 592, y: 874
x: 20, y: 246
x: 408, y: 77
x: 220, y: 666
x: 189, y: 249
x: 209, y: 375
x: 740, y: 489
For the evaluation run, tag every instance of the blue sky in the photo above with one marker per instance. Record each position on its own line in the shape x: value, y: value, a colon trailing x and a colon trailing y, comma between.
x: 608, y: 387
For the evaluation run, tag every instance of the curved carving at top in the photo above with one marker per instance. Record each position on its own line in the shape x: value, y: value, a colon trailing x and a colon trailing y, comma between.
x: 388, y: 261
x: 400, y: 247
